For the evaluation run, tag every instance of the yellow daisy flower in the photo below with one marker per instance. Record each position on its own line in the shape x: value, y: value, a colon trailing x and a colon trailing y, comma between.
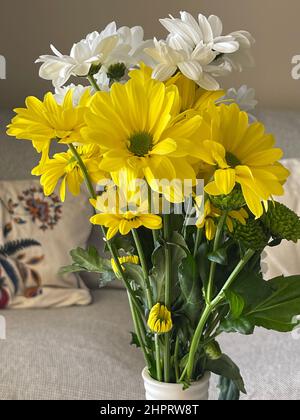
x: 160, y: 320
x: 124, y: 220
x: 136, y: 126
x: 239, y: 152
x: 128, y: 259
x: 64, y: 167
x: 43, y: 121
x: 209, y: 223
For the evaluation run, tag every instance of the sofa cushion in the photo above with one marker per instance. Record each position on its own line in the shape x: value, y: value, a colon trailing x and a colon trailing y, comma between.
x: 37, y: 234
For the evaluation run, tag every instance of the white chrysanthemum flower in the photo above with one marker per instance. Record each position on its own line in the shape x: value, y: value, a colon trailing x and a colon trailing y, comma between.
x: 198, y: 49
x: 78, y: 91
x: 109, y: 47
x: 135, y: 38
x: 194, y: 65
x: 244, y: 97
x: 186, y: 32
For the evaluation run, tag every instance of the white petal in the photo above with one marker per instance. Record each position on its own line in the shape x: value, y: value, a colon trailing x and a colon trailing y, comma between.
x: 111, y: 29
x: 205, y: 29
x: 177, y: 42
x: 163, y: 72
x: 216, y: 25
x: 244, y: 38
x: 176, y: 26
x: 208, y: 82
x: 191, y: 69
x: 105, y: 47
x: 56, y: 52
x: 225, y: 46
x: 203, y: 54
x: 195, y: 31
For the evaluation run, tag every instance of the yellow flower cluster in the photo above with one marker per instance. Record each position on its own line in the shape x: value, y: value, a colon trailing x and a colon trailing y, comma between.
x: 146, y: 129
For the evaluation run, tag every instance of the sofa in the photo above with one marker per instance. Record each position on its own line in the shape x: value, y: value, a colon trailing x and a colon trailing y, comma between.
x: 84, y: 353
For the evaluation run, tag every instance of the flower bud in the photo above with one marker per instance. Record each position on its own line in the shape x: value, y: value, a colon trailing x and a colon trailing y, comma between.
x: 160, y: 321
x: 233, y: 201
x: 282, y: 222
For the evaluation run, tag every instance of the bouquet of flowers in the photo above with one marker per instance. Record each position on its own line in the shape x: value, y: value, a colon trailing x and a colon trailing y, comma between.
x: 182, y: 178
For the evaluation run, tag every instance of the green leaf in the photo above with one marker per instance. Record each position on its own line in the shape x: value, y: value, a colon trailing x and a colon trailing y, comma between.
x: 236, y: 303
x: 241, y: 325
x: 124, y: 243
x: 225, y: 367
x: 219, y: 256
x: 252, y: 288
x: 134, y: 340
x: 203, y: 263
x: 157, y: 274
x: 278, y: 310
x: 134, y: 272
x: 191, y: 288
x: 228, y: 390
x: 89, y: 260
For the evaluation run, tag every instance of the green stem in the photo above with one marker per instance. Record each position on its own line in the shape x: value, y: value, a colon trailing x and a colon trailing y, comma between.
x: 176, y: 361
x: 198, y: 241
x: 84, y: 171
x: 138, y: 331
x: 111, y: 247
x: 142, y: 258
x: 155, y: 234
x: 168, y: 287
x: 213, y: 265
x: 157, y: 358
x: 209, y: 308
x: 93, y: 82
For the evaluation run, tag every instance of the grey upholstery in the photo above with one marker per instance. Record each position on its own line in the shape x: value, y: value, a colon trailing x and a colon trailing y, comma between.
x: 84, y: 353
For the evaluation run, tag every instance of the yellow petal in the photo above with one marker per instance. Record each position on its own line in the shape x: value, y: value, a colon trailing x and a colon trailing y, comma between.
x: 210, y: 229
x: 212, y: 189
x: 164, y: 147
x: 225, y: 180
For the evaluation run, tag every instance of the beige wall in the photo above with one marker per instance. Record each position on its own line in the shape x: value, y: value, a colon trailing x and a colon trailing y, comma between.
x: 28, y: 26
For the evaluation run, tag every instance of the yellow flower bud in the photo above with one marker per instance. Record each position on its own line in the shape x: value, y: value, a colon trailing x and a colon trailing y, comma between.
x: 129, y: 259
x: 160, y: 321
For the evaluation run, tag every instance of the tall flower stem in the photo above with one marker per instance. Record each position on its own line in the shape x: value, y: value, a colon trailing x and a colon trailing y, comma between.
x: 209, y: 308
x: 111, y: 247
x: 138, y: 330
x: 157, y: 358
x: 142, y: 258
x: 198, y: 241
x: 168, y: 289
x: 209, y: 293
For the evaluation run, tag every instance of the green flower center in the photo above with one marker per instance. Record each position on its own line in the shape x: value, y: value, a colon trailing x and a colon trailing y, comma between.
x: 140, y: 144
x: 116, y: 71
x: 232, y: 160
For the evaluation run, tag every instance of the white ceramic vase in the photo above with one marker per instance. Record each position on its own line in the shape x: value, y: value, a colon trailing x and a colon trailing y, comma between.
x: 156, y: 390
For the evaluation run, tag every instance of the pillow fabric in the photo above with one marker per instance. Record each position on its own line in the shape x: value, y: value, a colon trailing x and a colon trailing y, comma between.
x: 36, y: 236
x: 285, y: 259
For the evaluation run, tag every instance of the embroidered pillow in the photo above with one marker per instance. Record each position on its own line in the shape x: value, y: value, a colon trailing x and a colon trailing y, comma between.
x: 36, y: 236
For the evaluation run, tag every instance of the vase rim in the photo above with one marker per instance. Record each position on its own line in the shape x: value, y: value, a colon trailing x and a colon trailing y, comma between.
x: 148, y: 378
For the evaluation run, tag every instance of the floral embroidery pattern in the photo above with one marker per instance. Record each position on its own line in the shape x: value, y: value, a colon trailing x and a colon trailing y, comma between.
x: 12, y: 253
x: 33, y: 206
